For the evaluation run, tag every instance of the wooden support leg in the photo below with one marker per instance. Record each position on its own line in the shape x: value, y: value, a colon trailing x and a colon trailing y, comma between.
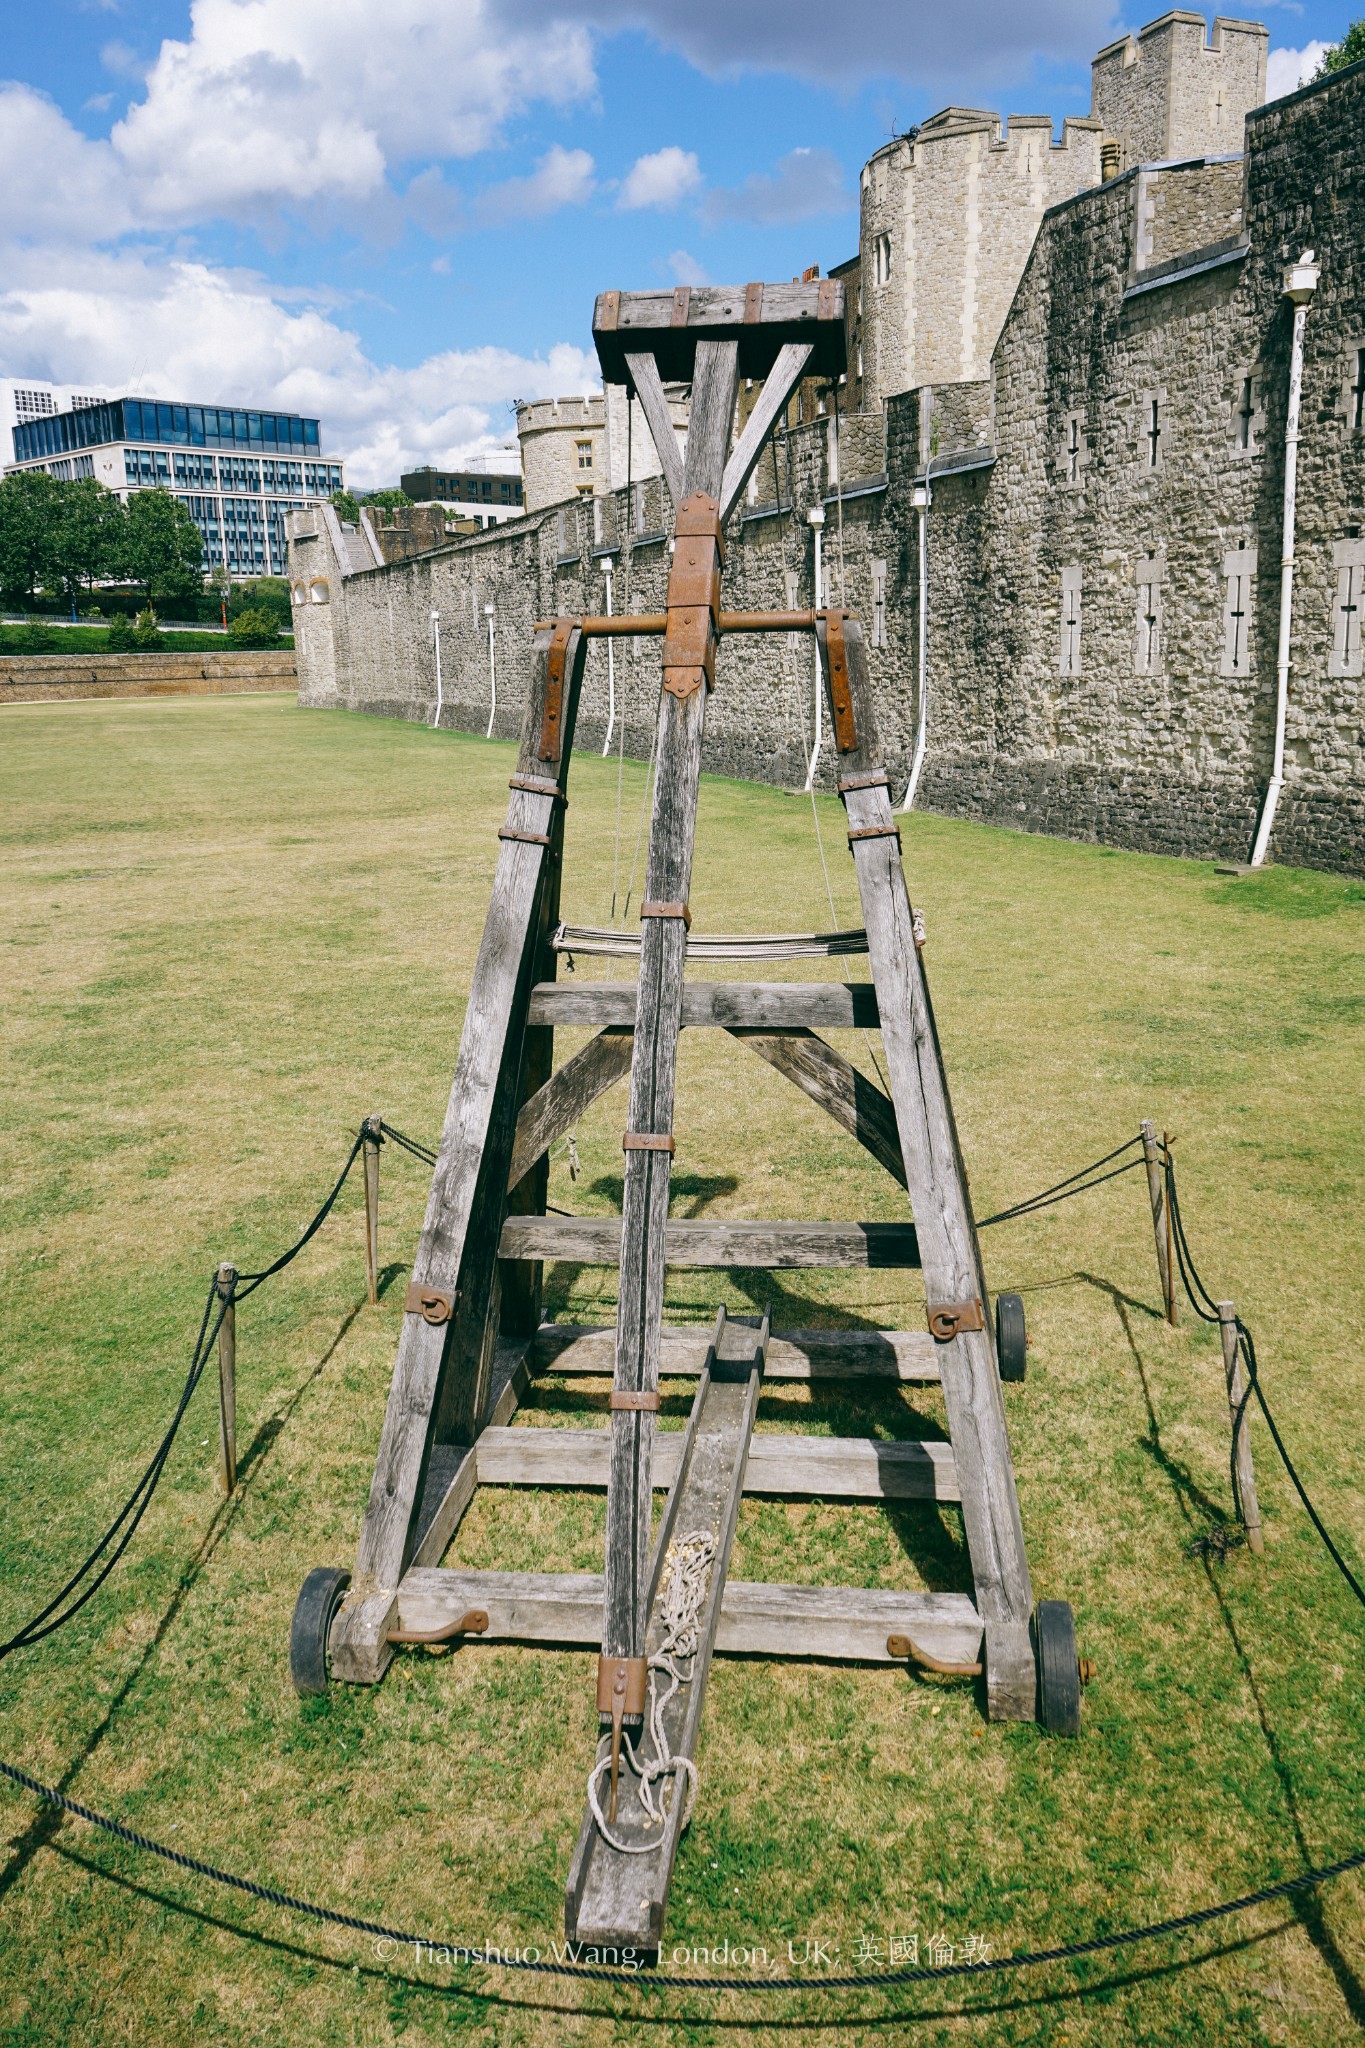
x: 373, y: 1139
x: 1248, y: 1507
x: 1156, y: 1189
x: 937, y: 1186
x: 227, y: 1380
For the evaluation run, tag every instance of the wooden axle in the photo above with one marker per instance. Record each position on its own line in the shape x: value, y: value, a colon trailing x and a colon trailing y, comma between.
x: 645, y: 625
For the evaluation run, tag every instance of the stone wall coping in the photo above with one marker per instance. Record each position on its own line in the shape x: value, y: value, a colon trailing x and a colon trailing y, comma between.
x: 1182, y: 269
x: 1291, y: 99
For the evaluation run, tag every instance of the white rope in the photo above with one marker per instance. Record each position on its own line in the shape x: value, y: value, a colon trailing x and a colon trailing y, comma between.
x: 686, y: 1577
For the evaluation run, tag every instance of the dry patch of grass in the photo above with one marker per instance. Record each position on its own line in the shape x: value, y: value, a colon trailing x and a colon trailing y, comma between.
x: 230, y: 929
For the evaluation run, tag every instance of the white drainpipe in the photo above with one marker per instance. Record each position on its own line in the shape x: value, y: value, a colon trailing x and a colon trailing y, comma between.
x: 492, y: 674
x: 611, y: 671
x: 436, y: 641
x: 921, y: 502
x: 816, y: 517
x: 1300, y: 282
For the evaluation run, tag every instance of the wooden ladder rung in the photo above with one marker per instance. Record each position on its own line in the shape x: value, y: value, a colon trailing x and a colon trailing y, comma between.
x: 833, y: 1623
x: 783, y: 1464
x: 898, y: 1355
x: 726, y: 1005
x: 596, y: 1241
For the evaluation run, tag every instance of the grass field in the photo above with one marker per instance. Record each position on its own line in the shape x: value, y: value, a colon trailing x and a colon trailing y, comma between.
x: 231, y: 928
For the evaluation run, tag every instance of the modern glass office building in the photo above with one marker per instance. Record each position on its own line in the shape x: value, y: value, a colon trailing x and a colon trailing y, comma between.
x: 237, y: 471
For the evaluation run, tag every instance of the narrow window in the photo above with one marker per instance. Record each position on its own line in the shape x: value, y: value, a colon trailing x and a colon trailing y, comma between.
x: 584, y: 449
x: 879, y: 604
x: 1353, y: 388
x: 1069, y: 652
x: 881, y: 259
x: 1074, y: 458
x: 1153, y: 431
x: 1348, y: 558
x: 1239, y: 567
x: 1149, y: 574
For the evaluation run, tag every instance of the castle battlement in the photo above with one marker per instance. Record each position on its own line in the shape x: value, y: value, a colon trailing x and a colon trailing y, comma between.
x: 1168, y: 93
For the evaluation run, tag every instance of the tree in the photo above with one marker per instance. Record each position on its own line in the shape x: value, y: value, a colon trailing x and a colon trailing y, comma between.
x: 28, y: 501
x: 345, y: 506
x: 389, y: 497
x: 86, y: 533
x: 1350, y: 50
x: 161, y: 547
x: 258, y: 628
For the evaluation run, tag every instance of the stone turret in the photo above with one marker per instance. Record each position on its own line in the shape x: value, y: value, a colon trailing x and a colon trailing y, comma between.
x: 1166, y: 93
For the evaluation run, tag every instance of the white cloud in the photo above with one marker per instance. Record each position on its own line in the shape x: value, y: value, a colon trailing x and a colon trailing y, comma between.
x: 279, y: 104
x: 664, y: 179
x: 686, y: 269
x: 221, y: 335
x: 56, y: 184
x: 562, y: 177
x: 1287, y: 70
x: 804, y: 182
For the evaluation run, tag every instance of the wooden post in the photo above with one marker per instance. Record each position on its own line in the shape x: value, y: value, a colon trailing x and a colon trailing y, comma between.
x: 227, y: 1379
x: 1248, y: 1507
x: 1161, y: 1222
x: 374, y: 1131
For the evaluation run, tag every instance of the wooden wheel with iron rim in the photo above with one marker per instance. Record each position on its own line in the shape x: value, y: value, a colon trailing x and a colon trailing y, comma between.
x: 1059, y: 1668
x: 314, y: 1612
x: 1011, y: 1340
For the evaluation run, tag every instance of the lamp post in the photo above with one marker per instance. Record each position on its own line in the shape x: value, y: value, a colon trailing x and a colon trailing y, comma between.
x: 488, y: 612
x: 816, y: 520
x: 436, y: 642
x: 611, y: 668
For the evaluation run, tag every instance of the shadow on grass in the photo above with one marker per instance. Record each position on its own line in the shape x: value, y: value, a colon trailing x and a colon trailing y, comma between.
x: 1197, y: 1509
x: 748, y: 2024
x: 45, y: 1823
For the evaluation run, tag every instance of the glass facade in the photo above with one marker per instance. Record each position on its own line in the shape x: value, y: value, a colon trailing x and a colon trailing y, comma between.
x: 177, y: 426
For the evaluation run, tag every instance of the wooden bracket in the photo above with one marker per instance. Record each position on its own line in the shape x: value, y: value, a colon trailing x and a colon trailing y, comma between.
x: 840, y: 695
x: 667, y: 910
x: 622, y: 1684
x: 645, y: 1401
x: 947, y: 1319
x: 432, y: 1304
x: 526, y: 838
x: 646, y: 1141
x: 552, y: 722
x: 539, y: 785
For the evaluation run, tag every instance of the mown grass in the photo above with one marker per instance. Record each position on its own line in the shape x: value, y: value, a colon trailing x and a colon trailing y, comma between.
x: 231, y: 929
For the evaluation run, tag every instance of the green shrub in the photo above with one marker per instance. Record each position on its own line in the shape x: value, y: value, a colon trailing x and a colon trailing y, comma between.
x: 38, y: 636
x: 255, y: 628
x: 147, y: 631
x: 121, y: 639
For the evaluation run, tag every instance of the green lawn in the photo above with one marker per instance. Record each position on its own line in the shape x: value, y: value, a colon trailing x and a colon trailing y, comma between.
x: 231, y: 929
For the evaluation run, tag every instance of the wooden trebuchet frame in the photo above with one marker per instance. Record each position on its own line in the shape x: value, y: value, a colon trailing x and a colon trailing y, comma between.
x: 473, y: 1334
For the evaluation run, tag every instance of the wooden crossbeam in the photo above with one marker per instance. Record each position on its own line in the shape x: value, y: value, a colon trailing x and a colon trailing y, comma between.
x: 725, y: 1005
x: 832, y: 1623
x: 612, y: 1895
x: 899, y: 1356
x: 834, y: 1085
x: 939, y: 1198
x: 781, y: 1464
x: 598, y: 1241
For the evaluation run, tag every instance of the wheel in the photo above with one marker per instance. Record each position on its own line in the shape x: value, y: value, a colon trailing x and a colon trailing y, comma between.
x: 314, y: 1611
x: 1059, y: 1668
x: 1011, y: 1343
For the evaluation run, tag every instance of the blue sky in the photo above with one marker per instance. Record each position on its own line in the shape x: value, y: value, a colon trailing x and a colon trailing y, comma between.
x: 396, y: 215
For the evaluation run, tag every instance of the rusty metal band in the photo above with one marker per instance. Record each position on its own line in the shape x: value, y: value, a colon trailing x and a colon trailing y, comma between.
x: 526, y: 838
x: 648, y: 1141
x: 667, y: 910
x: 539, y: 785
x: 827, y: 299
x: 645, y: 1402
x: 871, y: 778
x: 840, y: 694
x: 876, y: 832
x: 432, y: 1304
x: 682, y: 297
x: 556, y: 660
x: 753, y: 304
x: 947, y: 1319
x: 610, y: 304
x: 622, y: 1683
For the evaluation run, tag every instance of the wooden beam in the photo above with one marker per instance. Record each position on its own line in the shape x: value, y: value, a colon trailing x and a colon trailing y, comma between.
x: 833, y: 1623
x: 939, y: 1201
x: 749, y: 1247
x: 778, y: 387
x: 781, y: 1464
x: 556, y: 1107
x: 834, y: 1085
x: 663, y: 946
x: 614, y: 1896
x: 899, y: 1356
x: 440, y: 1375
x: 726, y: 1005
x: 644, y: 372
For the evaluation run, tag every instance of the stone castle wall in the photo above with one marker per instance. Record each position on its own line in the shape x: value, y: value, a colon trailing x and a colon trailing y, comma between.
x: 1103, y: 605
